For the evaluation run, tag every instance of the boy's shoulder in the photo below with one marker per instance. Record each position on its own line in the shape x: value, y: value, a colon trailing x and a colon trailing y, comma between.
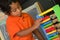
x: 25, y: 14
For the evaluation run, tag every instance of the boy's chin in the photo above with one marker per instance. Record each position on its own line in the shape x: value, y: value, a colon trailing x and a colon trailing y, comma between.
x: 19, y: 15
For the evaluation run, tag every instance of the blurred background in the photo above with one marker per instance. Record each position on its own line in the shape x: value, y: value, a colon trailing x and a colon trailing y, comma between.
x: 45, y: 4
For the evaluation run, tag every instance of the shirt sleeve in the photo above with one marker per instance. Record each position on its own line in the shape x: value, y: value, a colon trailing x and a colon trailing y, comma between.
x: 12, y: 29
x: 31, y: 18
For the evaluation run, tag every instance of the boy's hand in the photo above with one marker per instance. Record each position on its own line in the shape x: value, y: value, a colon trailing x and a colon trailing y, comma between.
x: 37, y: 23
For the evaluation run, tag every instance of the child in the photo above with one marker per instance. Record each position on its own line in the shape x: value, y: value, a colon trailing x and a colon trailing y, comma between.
x: 19, y: 25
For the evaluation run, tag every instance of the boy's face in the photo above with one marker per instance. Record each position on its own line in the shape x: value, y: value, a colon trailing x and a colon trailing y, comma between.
x: 15, y: 9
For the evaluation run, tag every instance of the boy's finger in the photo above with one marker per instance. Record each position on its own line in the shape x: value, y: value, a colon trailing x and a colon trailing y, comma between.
x: 40, y: 19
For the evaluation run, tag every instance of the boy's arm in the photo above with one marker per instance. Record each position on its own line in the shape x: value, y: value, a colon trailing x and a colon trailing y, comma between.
x: 31, y: 29
x: 38, y: 34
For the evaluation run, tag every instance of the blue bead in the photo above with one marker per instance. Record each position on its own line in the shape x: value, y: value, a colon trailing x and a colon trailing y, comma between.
x: 51, y: 35
x: 37, y: 16
x: 47, y: 22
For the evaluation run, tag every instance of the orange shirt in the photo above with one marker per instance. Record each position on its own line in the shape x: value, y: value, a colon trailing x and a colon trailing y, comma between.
x: 15, y: 24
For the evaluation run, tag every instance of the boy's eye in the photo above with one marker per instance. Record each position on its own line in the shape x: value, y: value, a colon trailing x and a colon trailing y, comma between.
x: 14, y: 10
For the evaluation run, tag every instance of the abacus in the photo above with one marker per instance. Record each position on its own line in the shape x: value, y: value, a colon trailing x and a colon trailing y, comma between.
x: 50, y: 23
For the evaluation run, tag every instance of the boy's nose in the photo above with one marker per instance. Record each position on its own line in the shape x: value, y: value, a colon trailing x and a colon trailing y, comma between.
x: 18, y: 10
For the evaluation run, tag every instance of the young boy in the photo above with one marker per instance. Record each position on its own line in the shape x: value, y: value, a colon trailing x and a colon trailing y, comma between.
x: 19, y: 25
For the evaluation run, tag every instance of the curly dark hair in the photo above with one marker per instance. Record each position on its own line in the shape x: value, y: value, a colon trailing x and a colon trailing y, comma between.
x: 4, y: 5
